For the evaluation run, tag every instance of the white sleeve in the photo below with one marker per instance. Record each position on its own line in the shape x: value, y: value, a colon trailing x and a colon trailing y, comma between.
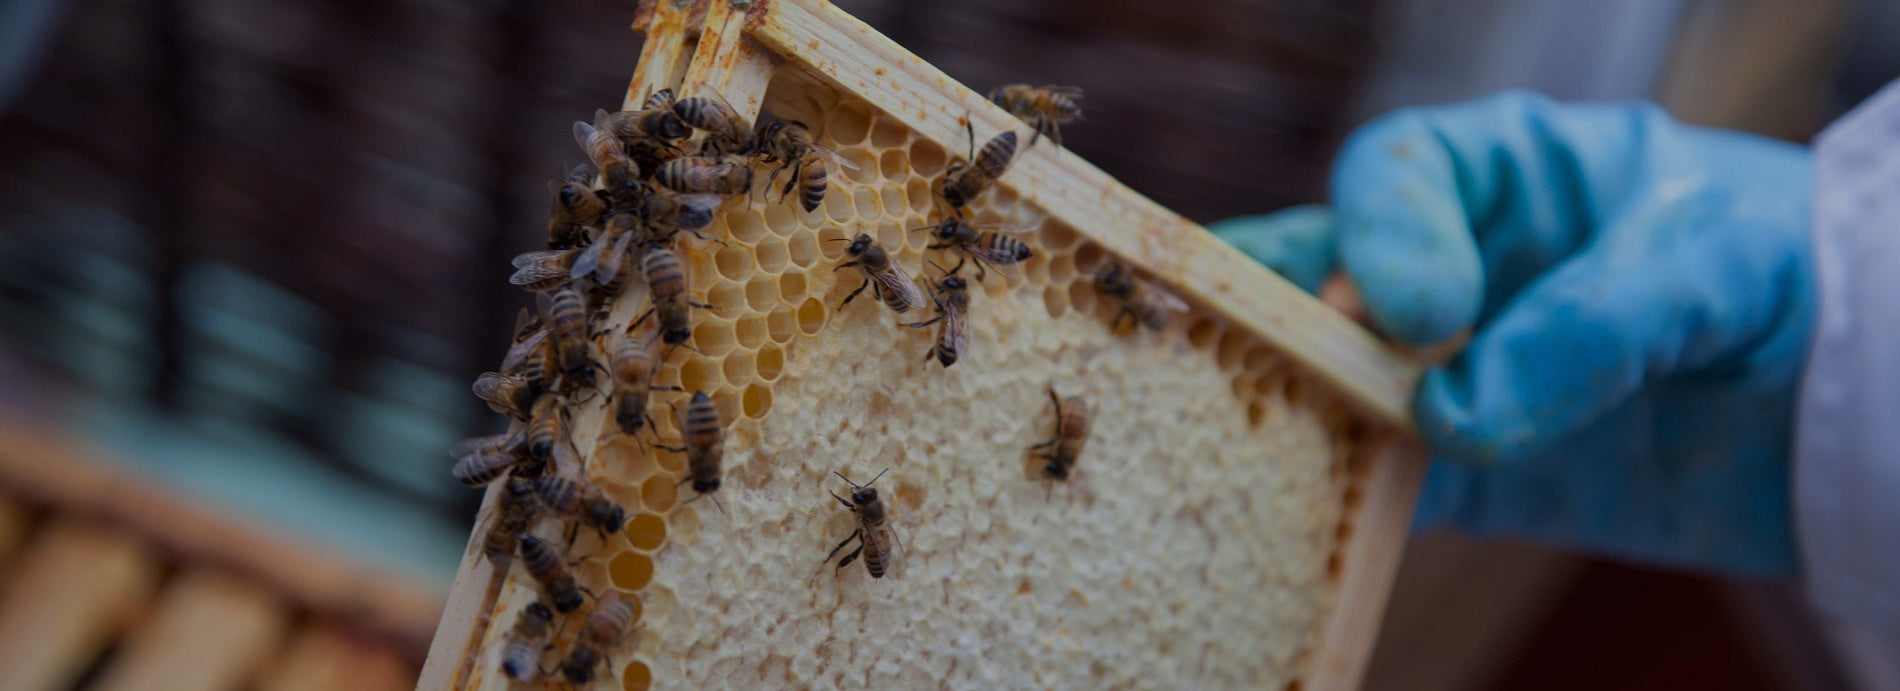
x: 1847, y: 432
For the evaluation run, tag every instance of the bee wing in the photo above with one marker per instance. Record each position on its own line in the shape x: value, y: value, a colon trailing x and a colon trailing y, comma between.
x: 956, y: 331
x: 609, y: 269
x: 1059, y: 90
x: 835, y: 157
x: 897, y: 282
x: 996, y: 260
x: 590, y: 258
x: 519, y: 352
x: 493, y: 386
x: 580, y: 174
x: 1005, y: 227
x: 584, y: 136
x: 1163, y: 298
x: 473, y: 445
x: 538, y: 266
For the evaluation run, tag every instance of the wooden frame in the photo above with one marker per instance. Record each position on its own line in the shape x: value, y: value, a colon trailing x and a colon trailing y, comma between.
x: 733, y: 48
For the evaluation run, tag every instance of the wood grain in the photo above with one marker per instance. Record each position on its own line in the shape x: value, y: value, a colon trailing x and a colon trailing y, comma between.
x: 78, y: 585
x: 210, y: 631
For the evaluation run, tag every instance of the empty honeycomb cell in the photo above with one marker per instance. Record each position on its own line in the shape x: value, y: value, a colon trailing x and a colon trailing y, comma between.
x: 791, y: 287
x: 1296, y: 390
x: 737, y: 367
x: 712, y: 336
x: 756, y: 401
x: 725, y: 295
x: 887, y: 133
x: 771, y: 256
x: 761, y: 293
x: 1088, y: 258
x: 894, y: 164
x: 636, y: 677
x: 781, y: 323
x: 698, y: 374
x: 727, y: 403
x: 660, y: 493
x: 1061, y: 268
x: 630, y: 570
x: 891, y: 198
x: 1082, y: 296
x: 750, y: 332
x: 745, y: 225
x: 1057, y: 237
x: 1256, y: 413
x: 811, y: 316
x: 848, y: 125
x: 735, y: 262
x: 1056, y: 300
x: 771, y: 362
x: 1242, y: 385
x: 863, y: 168
x: 867, y: 203
x: 927, y: 158
x: 802, y: 249
x: 917, y: 194
x: 893, y: 236
x: 838, y: 206
x: 1233, y: 348
x: 646, y: 531
x: 1204, y: 333
x: 780, y: 217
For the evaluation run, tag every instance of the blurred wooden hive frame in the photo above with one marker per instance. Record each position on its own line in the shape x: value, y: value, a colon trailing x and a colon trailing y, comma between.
x: 112, y: 583
x: 1255, y: 325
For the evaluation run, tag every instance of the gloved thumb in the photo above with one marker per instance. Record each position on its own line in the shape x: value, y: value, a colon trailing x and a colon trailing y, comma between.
x: 1296, y: 242
x: 1662, y: 300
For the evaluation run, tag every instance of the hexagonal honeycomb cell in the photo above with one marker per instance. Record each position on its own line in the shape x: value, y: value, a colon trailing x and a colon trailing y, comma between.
x: 995, y: 570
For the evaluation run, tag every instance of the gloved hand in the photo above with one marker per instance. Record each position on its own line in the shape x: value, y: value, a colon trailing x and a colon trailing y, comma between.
x: 1642, y: 293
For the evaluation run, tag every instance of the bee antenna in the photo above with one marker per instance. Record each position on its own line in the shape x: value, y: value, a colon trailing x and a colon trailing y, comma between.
x: 940, y: 269
x: 846, y: 479
x: 879, y: 474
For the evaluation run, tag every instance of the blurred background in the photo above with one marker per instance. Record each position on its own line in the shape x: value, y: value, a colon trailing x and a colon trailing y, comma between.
x: 252, y: 253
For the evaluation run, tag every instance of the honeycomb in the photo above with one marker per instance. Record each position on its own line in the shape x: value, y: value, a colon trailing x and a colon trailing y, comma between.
x: 1197, y: 544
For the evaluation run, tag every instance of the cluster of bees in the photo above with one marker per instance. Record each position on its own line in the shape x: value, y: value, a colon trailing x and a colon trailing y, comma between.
x: 654, y: 173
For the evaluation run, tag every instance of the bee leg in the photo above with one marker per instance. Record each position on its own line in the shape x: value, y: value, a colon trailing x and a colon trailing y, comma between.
x: 854, y: 293
x: 573, y: 531
x: 1047, y: 444
x: 847, y: 504
x: 846, y: 561
x: 1057, y: 402
x: 1117, y: 324
x: 854, y: 535
x: 924, y: 323
x: 636, y: 322
x: 970, y: 131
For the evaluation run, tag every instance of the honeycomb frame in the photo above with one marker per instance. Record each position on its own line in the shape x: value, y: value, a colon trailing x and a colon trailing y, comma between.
x: 1279, y: 366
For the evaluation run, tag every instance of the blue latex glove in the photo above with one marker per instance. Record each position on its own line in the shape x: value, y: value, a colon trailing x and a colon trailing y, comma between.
x: 1641, y: 291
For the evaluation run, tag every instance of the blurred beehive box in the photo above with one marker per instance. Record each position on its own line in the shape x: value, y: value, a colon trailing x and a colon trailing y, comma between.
x: 1238, y: 512
x: 107, y: 582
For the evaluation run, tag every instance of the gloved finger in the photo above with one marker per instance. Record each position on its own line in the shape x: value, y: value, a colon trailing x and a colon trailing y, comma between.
x: 1681, y: 297
x: 1445, y: 212
x: 1296, y: 242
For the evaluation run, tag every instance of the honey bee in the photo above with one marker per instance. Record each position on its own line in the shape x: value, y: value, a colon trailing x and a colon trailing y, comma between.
x: 606, y: 151
x: 605, y: 261
x: 789, y: 144
x: 509, y: 394
x: 1046, y: 108
x: 659, y: 123
x: 952, y: 297
x: 658, y: 99
x: 547, y: 427
x: 514, y: 510
x: 666, y: 285
x: 545, y: 564
x: 668, y: 212
x: 988, y: 244
x: 873, y: 534
x: 1141, y: 301
x: 580, y: 502
x: 725, y: 175
x: 704, y: 435
x: 1072, y: 433
x: 887, y: 279
x: 727, y: 131
x: 608, y: 627
x: 567, y: 325
x: 575, y: 208
x: 543, y: 270
x: 534, y: 360
x: 521, y: 652
x: 632, y: 367
x: 963, y: 181
x: 480, y: 460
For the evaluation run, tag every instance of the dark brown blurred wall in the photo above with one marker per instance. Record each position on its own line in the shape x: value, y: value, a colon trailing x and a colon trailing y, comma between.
x: 380, y: 161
